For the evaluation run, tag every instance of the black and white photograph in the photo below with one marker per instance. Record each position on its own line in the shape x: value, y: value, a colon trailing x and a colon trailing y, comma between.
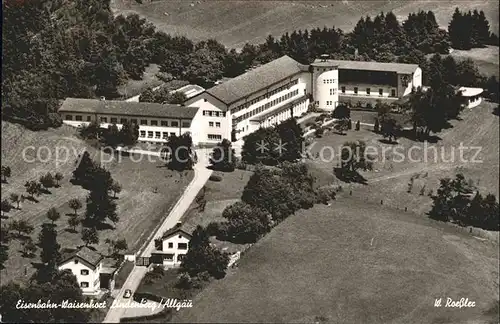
x: 223, y: 161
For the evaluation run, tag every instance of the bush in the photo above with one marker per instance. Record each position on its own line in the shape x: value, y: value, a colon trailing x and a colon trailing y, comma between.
x: 369, y: 106
x: 215, y: 177
x: 47, y: 180
x: 241, y: 165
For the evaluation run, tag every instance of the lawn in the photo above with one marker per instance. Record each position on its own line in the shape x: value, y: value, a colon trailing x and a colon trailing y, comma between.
x: 236, y: 22
x: 485, y: 58
x: 389, y: 180
x: 140, y: 209
x: 355, y: 262
x: 368, y: 117
x: 218, y: 195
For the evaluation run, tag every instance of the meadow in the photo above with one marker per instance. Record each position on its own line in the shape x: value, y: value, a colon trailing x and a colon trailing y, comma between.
x: 358, y: 260
x: 234, y: 23
x: 149, y: 191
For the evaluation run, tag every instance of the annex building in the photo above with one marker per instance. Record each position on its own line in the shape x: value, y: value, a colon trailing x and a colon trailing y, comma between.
x: 261, y: 97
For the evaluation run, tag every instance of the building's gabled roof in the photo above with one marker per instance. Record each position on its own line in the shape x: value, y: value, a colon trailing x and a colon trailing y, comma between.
x: 368, y: 66
x: 174, y: 230
x: 128, y: 108
x: 86, y: 254
x: 470, y: 92
x: 256, y: 79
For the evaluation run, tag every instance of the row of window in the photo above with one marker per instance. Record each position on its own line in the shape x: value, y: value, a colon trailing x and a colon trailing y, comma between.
x: 328, y: 81
x: 329, y: 103
x: 211, y: 124
x: 214, y: 137
x: 114, y: 120
x: 213, y: 113
x: 157, y: 135
x: 266, y: 96
x: 170, y: 257
x: 180, y: 246
x: 266, y: 106
x: 368, y: 91
x: 332, y: 92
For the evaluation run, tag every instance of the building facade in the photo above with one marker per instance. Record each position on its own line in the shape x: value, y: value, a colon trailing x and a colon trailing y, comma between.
x: 86, y: 265
x: 363, y: 82
x: 471, y: 97
x: 174, y: 245
x: 262, y: 97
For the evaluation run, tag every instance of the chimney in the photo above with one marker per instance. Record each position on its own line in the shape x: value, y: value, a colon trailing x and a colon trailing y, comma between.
x: 178, y: 224
x: 102, y: 98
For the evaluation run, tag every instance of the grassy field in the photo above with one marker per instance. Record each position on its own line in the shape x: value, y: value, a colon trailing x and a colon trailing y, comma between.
x: 135, y: 87
x: 368, y: 264
x: 358, y: 261
x: 389, y: 180
x: 139, y: 208
x: 218, y: 195
x: 236, y: 22
x: 486, y: 59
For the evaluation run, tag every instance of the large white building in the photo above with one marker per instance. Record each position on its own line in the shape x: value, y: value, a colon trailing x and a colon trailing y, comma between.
x: 261, y: 97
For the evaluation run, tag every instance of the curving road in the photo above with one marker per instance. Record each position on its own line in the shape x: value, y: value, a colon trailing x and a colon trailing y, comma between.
x: 201, y: 175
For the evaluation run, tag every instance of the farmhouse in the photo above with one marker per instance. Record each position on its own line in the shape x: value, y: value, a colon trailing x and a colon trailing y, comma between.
x: 262, y: 97
x: 172, y: 247
x: 87, y: 266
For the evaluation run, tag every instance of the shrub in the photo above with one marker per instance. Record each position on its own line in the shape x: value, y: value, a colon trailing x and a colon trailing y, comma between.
x: 47, y: 180
x: 215, y: 177
x: 369, y: 106
x: 241, y: 165
x: 319, y: 132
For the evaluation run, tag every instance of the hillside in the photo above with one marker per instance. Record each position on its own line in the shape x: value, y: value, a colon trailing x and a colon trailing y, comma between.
x: 234, y: 23
x: 371, y: 264
x: 149, y: 190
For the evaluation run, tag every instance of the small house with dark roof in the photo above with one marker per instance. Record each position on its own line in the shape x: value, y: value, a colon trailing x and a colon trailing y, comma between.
x: 171, y: 247
x: 86, y: 264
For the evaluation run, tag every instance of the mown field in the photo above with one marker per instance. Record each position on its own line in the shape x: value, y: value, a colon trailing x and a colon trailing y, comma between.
x: 140, y: 209
x: 368, y: 264
x: 236, y: 22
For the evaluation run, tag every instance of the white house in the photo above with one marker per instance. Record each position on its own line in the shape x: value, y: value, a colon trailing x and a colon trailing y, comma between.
x: 261, y: 97
x: 471, y: 96
x: 173, y: 247
x: 86, y: 265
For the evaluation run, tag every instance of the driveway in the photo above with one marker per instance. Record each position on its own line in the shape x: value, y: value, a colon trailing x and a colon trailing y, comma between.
x: 201, y: 176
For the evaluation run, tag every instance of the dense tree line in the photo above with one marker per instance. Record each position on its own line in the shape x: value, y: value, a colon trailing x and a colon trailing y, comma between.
x: 55, y: 49
x: 100, y: 205
x: 456, y: 201
x: 470, y: 29
x: 272, y: 145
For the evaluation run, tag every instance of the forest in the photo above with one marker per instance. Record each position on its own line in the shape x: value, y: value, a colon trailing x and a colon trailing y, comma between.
x: 55, y: 49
